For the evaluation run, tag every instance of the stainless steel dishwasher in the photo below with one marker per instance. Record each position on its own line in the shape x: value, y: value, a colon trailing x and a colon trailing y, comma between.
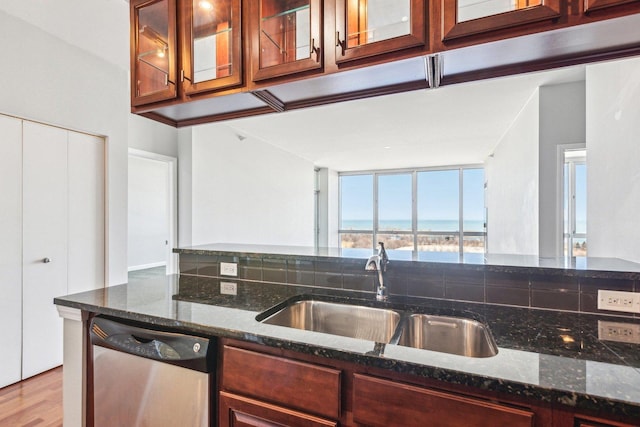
x: 143, y: 377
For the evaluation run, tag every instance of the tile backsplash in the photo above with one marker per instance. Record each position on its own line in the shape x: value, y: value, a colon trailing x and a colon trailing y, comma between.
x: 564, y: 290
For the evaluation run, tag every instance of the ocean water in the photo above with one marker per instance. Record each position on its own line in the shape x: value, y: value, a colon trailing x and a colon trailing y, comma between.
x: 424, y: 225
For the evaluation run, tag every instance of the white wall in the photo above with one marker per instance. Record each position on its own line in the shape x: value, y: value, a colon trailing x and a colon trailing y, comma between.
x: 562, y: 121
x: 512, y: 186
x: 148, y: 219
x: 328, y: 208
x: 185, y: 200
x: 155, y: 137
x: 247, y: 191
x: 48, y: 80
x: 613, y: 161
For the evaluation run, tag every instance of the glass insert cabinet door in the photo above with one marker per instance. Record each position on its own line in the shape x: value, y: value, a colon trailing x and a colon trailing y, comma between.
x: 468, y: 17
x: 153, y: 54
x: 212, y: 50
x: 372, y: 27
x: 288, y: 37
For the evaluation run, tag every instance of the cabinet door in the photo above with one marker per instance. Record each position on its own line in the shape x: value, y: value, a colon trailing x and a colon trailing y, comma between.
x: 153, y: 51
x: 10, y: 249
x: 239, y: 411
x: 212, y: 49
x: 85, y: 212
x: 378, y: 402
x: 367, y: 28
x: 44, y: 240
x: 286, y: 37
x: 462, y: 18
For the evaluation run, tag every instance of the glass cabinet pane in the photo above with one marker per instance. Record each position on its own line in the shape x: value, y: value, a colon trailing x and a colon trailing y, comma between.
x: 152, y: 48
x: 285, y: 31
x: 212, y: 36
x: 474, y: 9
x: 370, y: 21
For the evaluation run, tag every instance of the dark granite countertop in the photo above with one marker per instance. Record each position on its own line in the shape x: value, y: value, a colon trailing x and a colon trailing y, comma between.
x: 545, y: 355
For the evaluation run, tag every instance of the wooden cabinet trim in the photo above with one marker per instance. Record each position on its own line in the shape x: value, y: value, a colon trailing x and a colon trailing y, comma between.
x: 298, y: 385
x: 451, y: 29
x: 591, y: 5
x: 237, y: 411
x: 186, y: 25
x: 417, y: 37
x: 313, y: 64
x: 171, y: 92
x: 379, y: 402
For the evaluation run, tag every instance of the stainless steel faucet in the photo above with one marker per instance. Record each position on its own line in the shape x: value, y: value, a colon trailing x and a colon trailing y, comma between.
x: 379, y: 263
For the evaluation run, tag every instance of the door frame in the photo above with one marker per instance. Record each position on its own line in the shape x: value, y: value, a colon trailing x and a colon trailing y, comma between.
x: 172, y: 166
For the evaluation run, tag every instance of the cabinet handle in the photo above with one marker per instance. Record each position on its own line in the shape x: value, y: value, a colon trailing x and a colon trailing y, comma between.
x: 315, y: 50
x: 341, y: 43
x: 46, y: 260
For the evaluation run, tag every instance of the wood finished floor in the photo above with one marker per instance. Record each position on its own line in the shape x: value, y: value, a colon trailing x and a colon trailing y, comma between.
x: 36, y: 401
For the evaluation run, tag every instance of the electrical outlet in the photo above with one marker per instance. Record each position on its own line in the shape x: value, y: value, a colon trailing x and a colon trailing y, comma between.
x: 628, y: 302
x: 619, y: 332
x: 229, y: 269
x: 228, y: 288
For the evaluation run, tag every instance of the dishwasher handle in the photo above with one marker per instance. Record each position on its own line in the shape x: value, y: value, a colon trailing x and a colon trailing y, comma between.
x: 176, y: 349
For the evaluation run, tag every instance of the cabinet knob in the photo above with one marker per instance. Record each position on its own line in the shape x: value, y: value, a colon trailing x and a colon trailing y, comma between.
x: 46, y: 260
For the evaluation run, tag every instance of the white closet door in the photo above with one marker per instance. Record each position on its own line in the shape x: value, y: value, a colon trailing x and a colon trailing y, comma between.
x: 44, y: 245
x: 10, y: 249
x: 86, y: 212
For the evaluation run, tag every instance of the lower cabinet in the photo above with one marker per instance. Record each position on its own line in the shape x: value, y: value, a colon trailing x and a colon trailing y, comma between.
x: 239, y: 411
x: 263, y: 386
x: 379, y: 402
x: 260, y: 389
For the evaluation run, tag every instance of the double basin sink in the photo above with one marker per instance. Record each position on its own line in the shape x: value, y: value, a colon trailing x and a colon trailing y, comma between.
x: 448, y: 334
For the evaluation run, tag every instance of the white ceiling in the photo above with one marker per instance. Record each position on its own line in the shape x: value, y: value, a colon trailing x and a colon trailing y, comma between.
x: 97, y: 26
x: 459, y: 124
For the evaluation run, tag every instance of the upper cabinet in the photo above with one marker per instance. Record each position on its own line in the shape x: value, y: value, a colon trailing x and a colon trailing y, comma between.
x: 462, y: 18
x: 269, y: 56
x: 153, y: 51
x: 285, y: 36
x: 211, y: 45
x: 366, y: 28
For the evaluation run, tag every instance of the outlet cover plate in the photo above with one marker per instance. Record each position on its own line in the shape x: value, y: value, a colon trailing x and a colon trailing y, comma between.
x: 229, y: 269
x: 619, y: 332
x: 228, y: 288
x: 628, y: 302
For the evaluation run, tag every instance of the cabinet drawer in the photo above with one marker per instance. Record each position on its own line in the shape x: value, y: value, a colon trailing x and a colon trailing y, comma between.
x: 239, y: 411
x: 297, y: 385
x: 378, y: 402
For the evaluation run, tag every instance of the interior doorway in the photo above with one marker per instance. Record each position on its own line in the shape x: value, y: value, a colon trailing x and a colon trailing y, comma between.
x: 152, y: 211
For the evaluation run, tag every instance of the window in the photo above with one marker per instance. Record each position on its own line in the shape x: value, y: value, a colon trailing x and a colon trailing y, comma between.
x: 426, y: 214
x: 575, y: 203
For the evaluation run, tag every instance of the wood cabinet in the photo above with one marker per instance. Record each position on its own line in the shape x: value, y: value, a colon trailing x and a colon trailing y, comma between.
x: 239, y: 411
x: 285, y: 37
x: 275, y: 55
x: 264, y: 386
x: 596, y: 422
x: 298, y: 386
x: 464, y: 20
x: 211, y: 37
x: 366, y: 28
x: 380, y: 402
x: 153, y: 51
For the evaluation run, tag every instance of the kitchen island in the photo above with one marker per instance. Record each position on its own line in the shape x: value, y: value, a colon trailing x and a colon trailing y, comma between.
x: 552, y: 360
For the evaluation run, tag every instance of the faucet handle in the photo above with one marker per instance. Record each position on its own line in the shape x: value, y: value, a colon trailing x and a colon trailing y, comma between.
x: 384, y: 259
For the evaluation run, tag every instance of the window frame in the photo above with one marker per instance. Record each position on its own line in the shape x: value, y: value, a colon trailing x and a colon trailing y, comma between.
x: 570, y: 235
x: 376, y: 231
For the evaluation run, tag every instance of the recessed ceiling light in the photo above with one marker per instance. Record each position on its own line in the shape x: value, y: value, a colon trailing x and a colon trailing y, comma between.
x: 386, y: 147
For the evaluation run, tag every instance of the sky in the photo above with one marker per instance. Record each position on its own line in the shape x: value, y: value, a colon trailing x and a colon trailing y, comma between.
x: 437, y: 195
